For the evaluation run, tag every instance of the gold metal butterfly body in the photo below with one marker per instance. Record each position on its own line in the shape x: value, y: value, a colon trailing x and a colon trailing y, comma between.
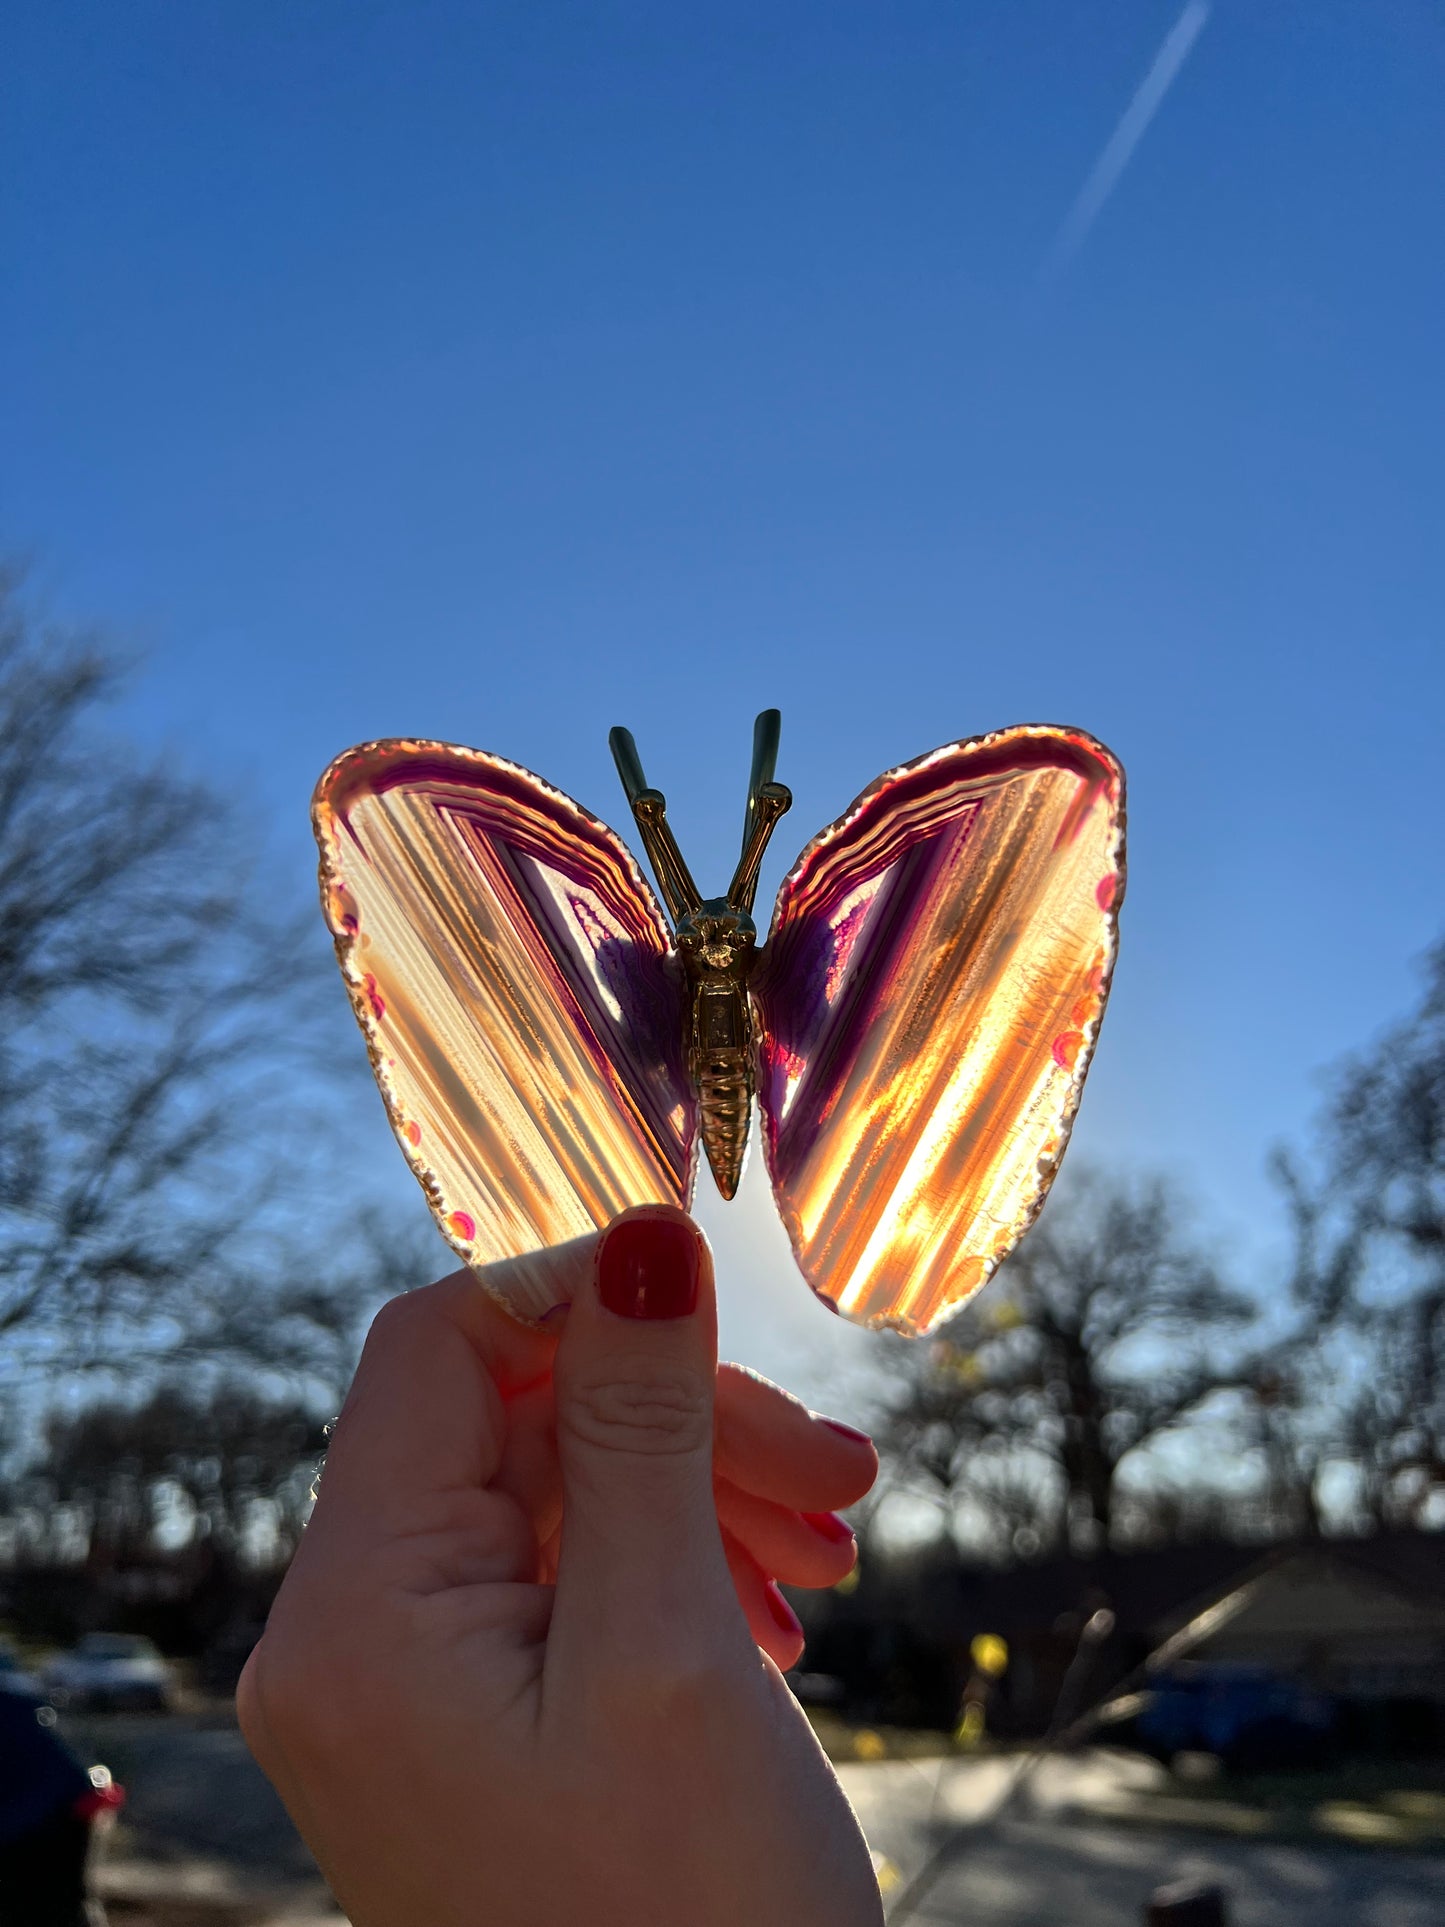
x: 718, y: 943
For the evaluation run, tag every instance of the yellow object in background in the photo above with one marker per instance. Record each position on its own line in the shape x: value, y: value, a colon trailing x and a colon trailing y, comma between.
x: 989, y: 1654
x: 970, y: 1729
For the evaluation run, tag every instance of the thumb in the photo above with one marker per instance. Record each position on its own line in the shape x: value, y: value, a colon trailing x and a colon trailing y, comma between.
x: 641, y: 1557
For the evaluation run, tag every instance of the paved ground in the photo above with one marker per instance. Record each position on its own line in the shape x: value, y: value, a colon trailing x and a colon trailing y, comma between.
x: 1048, y: 1862
x: 207, y: 1844
x: 1022, y: 1874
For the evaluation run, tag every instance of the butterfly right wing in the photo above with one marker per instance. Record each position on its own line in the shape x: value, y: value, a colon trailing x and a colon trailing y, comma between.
x: 928, y: 1003
x: 515, y: 982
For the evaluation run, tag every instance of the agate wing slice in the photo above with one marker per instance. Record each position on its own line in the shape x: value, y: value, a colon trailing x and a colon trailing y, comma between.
x: 928, y: 1004
x: 514, y: 979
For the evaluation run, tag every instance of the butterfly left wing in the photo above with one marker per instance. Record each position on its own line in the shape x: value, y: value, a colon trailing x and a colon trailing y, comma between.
x: 927, y: 1007
x: 514, y: 979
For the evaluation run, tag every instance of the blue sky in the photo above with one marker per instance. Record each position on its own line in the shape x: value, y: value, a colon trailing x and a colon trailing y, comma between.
x: 500, y: 372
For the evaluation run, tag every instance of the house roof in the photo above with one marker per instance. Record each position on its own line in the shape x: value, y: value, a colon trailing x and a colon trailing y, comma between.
x: 1394, y: 1580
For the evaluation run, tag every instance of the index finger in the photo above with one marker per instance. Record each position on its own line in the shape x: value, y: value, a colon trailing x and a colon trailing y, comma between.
x: 426, y: 1411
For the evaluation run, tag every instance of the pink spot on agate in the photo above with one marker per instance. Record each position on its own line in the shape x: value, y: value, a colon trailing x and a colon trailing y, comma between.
x: 1104, y: 891
x: 1066, y: 1048
x: 463, y: 1225
x: 343, y: 910
x: 374, y: 996
x: 787, y: 1061
x: 413, y: 1132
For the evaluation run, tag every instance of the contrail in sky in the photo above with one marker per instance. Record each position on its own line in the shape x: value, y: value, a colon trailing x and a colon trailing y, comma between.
x: 1104, y: 178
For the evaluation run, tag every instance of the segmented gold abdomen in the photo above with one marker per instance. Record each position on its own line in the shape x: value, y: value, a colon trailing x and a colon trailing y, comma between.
x: 721, y: 1063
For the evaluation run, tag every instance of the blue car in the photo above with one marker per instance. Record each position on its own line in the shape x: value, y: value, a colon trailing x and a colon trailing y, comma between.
x: 1253, y: 1719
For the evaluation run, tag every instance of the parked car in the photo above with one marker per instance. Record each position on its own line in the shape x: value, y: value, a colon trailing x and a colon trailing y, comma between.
x: 13, y: 1676
x: 817, y: 1689
x: 1251, y: 1719
x: 112, y: 1672
x: 53, y: 1811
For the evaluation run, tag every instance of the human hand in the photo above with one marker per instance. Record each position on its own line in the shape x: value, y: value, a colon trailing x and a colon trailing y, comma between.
x: 512, y: 1678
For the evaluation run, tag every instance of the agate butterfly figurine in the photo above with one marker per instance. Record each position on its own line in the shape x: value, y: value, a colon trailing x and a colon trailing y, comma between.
x: 915, y: 1031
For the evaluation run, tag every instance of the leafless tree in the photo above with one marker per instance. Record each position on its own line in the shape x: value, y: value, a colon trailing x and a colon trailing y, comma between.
x: 153, y: 1030
x: 1359, y: 1383
x: 1105, y: 1333
x: 303, y: 1321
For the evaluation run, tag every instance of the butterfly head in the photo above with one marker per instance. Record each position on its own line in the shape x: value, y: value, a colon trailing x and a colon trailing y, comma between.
x: 717, y: 935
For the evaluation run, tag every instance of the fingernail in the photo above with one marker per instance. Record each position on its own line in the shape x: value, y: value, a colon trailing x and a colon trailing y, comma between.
x: 847, y: 1431
x: 649, y: 1268
x: 828, y: 1526
x: 786, y: 1619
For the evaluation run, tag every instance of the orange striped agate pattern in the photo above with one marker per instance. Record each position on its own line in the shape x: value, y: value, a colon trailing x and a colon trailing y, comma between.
x: 515, y: 982
x: 928, y: 1006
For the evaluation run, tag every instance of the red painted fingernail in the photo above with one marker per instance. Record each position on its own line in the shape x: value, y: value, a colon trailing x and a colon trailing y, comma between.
x: 649, y: 1268
x: 848, y: 1431
x: 786, y: 1619
x: 829, y: 1526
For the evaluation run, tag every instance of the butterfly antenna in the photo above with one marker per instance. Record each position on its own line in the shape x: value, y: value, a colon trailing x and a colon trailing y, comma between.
x: 649, y: 806
x: 767, y: 803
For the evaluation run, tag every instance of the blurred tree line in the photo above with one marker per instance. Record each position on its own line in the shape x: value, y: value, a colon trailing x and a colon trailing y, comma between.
x: 176, y: 1316
x: 178, y: 1320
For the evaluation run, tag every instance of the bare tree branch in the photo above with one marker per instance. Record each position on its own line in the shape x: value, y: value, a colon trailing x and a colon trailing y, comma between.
x: 1105, y: 1332
x: 157, y: 1026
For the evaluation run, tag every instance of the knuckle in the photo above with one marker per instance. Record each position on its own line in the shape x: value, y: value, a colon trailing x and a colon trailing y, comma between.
x: 666, y: 1691
x: 248, y: 1707
x: 657, y: 1414
x: 272, y: 1698
x: 396, y: 1316
x: 300, y: 1700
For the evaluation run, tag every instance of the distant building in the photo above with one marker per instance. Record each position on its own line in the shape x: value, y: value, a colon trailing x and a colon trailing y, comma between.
x: 1362, y: 1620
